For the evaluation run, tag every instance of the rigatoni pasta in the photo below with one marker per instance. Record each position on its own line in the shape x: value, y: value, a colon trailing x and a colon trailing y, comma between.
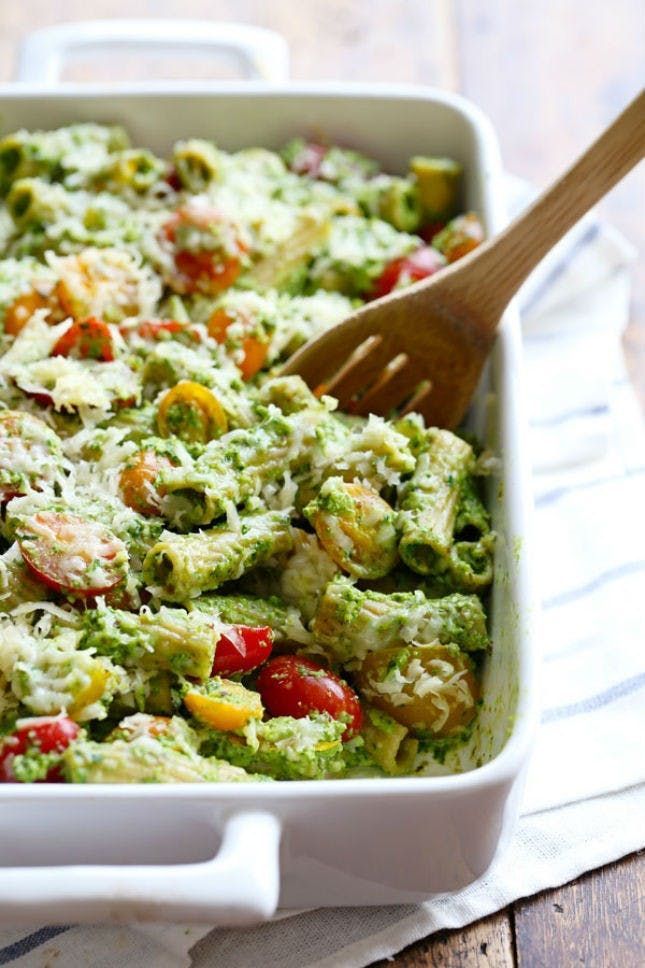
x: 207, y: 572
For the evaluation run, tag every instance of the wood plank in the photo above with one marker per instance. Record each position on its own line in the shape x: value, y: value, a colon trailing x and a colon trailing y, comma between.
x: 599, y: 920
x: 485, y: 944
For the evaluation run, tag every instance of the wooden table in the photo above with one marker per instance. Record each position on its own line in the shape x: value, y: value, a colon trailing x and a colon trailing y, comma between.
x: 550, y: 75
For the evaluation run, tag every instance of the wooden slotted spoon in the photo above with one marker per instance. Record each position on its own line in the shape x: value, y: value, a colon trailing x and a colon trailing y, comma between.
x: 423, y: 348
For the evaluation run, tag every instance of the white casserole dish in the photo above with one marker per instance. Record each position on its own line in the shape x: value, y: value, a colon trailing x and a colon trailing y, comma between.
x: 230, y: 854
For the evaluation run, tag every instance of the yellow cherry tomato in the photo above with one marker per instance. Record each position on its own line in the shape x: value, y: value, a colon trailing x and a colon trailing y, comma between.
x: 192, y: 412
x: 356, y: 527
x: 229, y: 706
x: 428, y: 688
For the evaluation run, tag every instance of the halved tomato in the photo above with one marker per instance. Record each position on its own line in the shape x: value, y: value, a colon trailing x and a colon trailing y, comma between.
x: 192, y: 412
x: 291, y: 685
x: 45, y: 734
x: 241, y: 648
x: 72, y: 554
x: 138, y: 479
x: 21, y: 311
x: 86, y: 339
x: 255, y: 351
x: 424, y: 262
x: 208, y: 250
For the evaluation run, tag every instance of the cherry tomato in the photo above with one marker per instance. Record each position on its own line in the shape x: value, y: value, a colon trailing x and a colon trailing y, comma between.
x: 208, y: 268
x: 173, y: 179
x: 137, y: 481
x: 294, y: 686
x: 21, y: 311
x: 28, y: 449
x: 71, y: 554
x: 43, y: 400
x: 191, y: 411
x: 428, y: 231
x: 420, y: 264
x: 48, y: 734
x: 255, y: 351
x: 309, y: 160
x: 87, y: 339
x: 241, y: 648
x: 157, y: 328
x: 459, y: 237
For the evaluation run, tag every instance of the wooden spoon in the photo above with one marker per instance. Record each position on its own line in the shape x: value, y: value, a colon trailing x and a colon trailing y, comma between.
x: 423, y: 348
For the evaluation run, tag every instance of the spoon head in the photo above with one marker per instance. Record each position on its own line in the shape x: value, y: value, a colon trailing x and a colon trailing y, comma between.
x: 398, y: 354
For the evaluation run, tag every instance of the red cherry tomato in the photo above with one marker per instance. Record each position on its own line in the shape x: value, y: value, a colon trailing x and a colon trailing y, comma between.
x: 242, y: 648
x: 309, y: 160
x: 428, y: 231
x: 156, y: 328
x: 71, y: 554
x: 294, y: 686
x: 173, y: 179
x: 204, y: 269
x: 420, y: 264
x: 87, y: 339
x: 47, y: 734
x: 43, y: 400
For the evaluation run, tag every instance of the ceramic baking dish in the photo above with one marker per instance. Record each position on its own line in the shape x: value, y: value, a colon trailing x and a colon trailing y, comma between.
x: 231, y: 854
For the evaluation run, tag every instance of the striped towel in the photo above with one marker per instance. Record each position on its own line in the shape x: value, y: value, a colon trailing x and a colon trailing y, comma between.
x: 585, y: 796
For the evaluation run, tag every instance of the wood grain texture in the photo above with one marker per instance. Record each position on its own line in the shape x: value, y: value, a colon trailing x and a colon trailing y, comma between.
x: 598, y: 921
x: 484, y: 944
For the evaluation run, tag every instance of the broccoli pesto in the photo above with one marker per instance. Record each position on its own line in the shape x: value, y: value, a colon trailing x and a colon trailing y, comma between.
x: 209, y: 573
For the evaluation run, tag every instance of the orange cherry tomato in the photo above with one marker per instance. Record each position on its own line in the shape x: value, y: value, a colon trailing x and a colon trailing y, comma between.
x: 138, y: 480
x: 459, y: 237
x: 255, y: 351
x: 21, y: 311
x: 87, y: 339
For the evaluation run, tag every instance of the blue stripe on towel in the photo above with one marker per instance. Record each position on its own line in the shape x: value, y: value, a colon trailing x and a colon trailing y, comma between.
x: 549, y: 497
x: 589, y: 705
x: 595, y: 411
x: 629, y: 568
x: 29, y: 943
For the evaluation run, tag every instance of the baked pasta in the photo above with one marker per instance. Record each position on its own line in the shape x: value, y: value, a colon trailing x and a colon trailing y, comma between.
x: 208, y: 573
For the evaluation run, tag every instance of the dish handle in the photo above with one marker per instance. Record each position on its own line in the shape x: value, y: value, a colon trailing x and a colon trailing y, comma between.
x: 239, y: 885
x: 262, y: 54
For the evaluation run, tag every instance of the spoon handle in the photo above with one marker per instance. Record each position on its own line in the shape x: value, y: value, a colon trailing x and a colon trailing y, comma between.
x: 500, y: 266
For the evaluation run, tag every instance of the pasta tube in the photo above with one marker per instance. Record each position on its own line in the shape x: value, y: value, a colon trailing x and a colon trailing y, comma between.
x: 352, y: 623
x: 182, y: 566
x: 284, y: 620
x: 428, y: 501
x: 145, y: 759
x: 283, y: 748
x: 170, y: 639
x: 197, y: 163
x: 388, y: 743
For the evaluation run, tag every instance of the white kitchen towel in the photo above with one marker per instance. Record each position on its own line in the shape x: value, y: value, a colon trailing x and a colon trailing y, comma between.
x: 585, y: 797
